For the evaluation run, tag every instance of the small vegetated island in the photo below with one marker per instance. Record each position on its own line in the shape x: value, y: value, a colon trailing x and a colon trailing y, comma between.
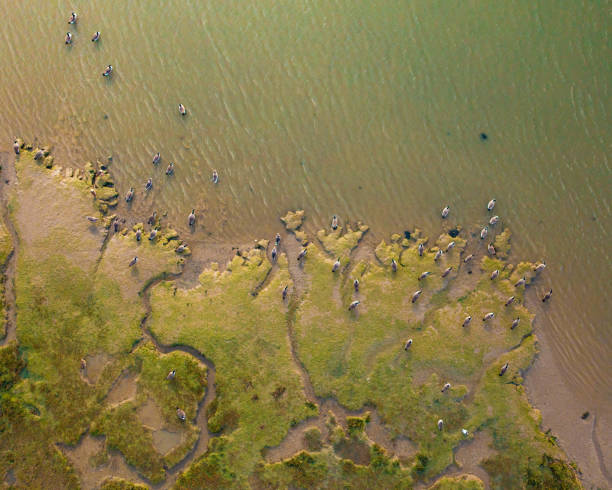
x: 330, y: 371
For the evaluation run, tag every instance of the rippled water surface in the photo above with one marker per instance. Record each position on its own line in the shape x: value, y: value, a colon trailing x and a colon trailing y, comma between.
x: 372, y: 110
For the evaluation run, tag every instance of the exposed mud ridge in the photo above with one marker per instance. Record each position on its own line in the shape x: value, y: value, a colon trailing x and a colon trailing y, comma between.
x: 600, y: 456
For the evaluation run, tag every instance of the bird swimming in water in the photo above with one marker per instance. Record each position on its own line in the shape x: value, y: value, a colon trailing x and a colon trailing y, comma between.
x: 421, y: 249
x: 424, y: 275
x: 73, y: 18
x: 16, y: 148
x: 182, y: 110
x: 153, y: 234
x: 494, y: 220
x: 467, y: 321
x: 277, y: 240
x: 494, y: 274
x: 503, y: 369
x: 484, y: 232
x: 407, y: 344
x: 416, y: 295
x: 491, y: 204
x: 468, y: 258
x: 68, y: 38
x: 171, y: 375
x: 393, y: 265
x: 491, y: 249
x: 356, y: 285
x: 138, y: 234
x: 170, y: 169
x: 38, y: 155
x: 547, y: 296
x: 108, y: 72
x: 540, y: 267
x: 440, y: 424
x: 151, y: 219
x: 215, y: 177
x: 133, y: 261
x: 273, y: 254
x: 515, y: 323
x: 96, y: 37
x: 438, y: 255
x: 285, y: 291
x: 336, y: 265
x: 191, y: 218
x: 156, y: 158
x: 180, y: 414
x: 334, y: 222
x: 130, y: 195
x: 353, y: 305
x: 149, y: 184
x: 447, y: 271
x: 509, y: 301
x: 302, y: 254
x: 449, y: 246
x: 520, y: 282
x: 446, y: 387
x: 445, y: 212
x: 181, y: 248
x: 488, y: 316
x: 93, y: 219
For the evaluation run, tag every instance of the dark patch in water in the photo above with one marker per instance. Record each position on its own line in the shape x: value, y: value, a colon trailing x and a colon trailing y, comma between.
x: 483, y: 136
x: 454, y: 232
x: 407, y: 235
x: 585, y: 415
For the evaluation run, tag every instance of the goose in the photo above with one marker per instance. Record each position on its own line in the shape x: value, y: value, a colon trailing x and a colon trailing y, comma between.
x: 491, y: 249
x: 181, y: 248
x: 336, y: 265
x: 491, y: 204
x: 438, y: 255
x: 520, y: 282
x: 446, y: 387
x: 353, y: 305
x: 116, y: 225
x: 277, y: 240
x: 191, y: 218
x: 16, y: 147
x: 273, y: 254
x: 108, y: 72
x: 356, y: 285
x: 494, y: 220
x: 156, y: 158
x: 447, y: 271
x: 440, y: 424
x: 170, y: 169
x: 334, y: 222
x: 73, y: 18
x: 302, y: 254
x: 96, y: 37
x: 93, y: 219
x: 149, y: 184
x: 503, y: 369
x: 540, y: 267
x: 467, y: 321
x: 285, y: 291
x: 215, y: 177
x: 407, y: 344
x: 180, y: 414
x: 393, y: 265
x: 547, y: 296
x: 153, y: 234
x: 424, y: 275
x: 484, y: 232
x: 468, y: 258
x: 416, y: 295
x: 138, y: 235
x: 445, y: 212
x: 509, y: 301
x: 449, y: 246
x: 152, y: 218
x: 130, y: 195
x: 421, y: 249
x: 494, y: 274
x: 93, y: 192
x: 515, y: 323
x: 38, y: 155
x: 68, y: 38
x: 171, y: 374
x: 133, y: 261
x: 488, y: 316
x: 182, y: 110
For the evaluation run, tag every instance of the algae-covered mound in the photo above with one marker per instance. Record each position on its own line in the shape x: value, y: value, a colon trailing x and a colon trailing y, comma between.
x: 363, y: 374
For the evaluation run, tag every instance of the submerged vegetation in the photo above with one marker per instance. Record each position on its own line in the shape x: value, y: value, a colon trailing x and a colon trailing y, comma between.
x: 282, y: 340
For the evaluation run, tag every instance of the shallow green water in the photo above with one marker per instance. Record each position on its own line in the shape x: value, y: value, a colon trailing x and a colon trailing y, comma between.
x: 370, y: 110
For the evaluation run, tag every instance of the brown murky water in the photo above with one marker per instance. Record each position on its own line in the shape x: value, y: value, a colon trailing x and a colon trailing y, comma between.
x: 367, y: 109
